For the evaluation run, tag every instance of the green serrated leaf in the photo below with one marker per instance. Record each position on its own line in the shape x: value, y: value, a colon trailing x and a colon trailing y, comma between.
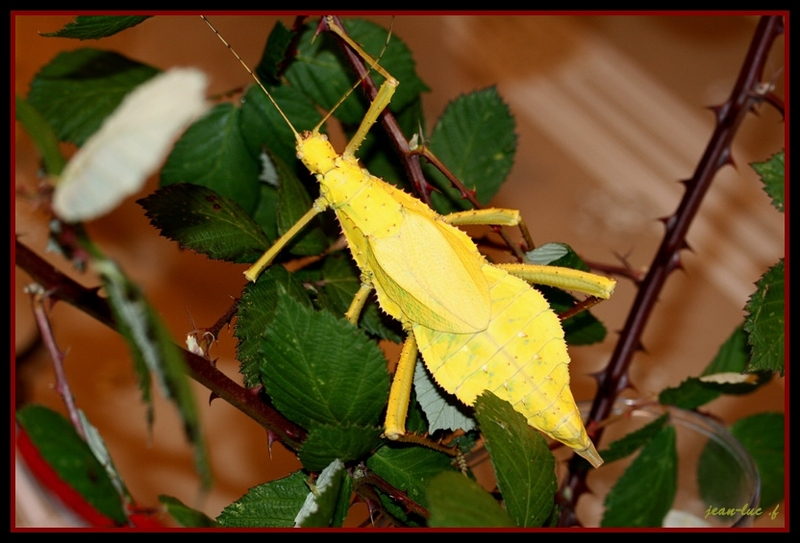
x: 201, y: 220
x: 274, y: 55
x: 732, y: 357
x: 523, y: 463
x: 763, y: 437
x: 256, y: 310
x: 326, y: 442
x: 690, y: 394
x: 262, y: 125
x: 341, y: 280
x: 720, y: 480
x: 265, y: 214
x: 62, y: 448
x: 556, y: 254
x: 42, y: 134
x: 409, y: 469
x: 78, y: 89
x: 212, y: 153
x: 321, y: 369
x: 773, y: 173
x: 272, y: 505
x: 320, y: 72
x: 94, y: 27
x: 443, y: 411
x: 458, y: 502
x: 654, y: 472
x: 185, y: 515
x: 293, y: 202
x: 765, y: 322
x: 580, y: 329
x: 475, y: 138
x: 633, y: 441
x: 155, y: 355
x: 322, y: 503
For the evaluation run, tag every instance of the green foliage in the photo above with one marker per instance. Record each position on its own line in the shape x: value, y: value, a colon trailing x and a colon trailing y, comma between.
x: 212, y: 153
x: 633, y: 441
x: 78, y: 89
x: 523, y: 463
x: 185, y: 515
x: 442, y: 411
x: 208, y: 223
x: 732, y: 358
x: 61, y: 447
x: 583, y: 328
x: 155, y: 355
x: 94, y: 27
x: 773, y: 172
x: 456, y: 501
x: 329, y: 499
x: 765, y: 322
x: 556, y: 254
x: 271, y: 505
x: 409, y: 469
x: 654, y: 472
x: 763, y: 437
x: 475, y: 138
x: 43, y: 135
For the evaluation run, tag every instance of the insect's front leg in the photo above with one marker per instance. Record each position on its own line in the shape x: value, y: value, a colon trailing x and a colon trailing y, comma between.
x: 382, y: 99
x: 266, y: 259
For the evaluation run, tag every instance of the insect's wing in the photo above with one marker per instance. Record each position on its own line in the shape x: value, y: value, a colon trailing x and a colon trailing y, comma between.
x: 432, y: 271
x: 117, y: 159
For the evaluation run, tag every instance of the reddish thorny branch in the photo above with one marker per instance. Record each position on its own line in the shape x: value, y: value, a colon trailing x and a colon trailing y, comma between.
x: 614, y: 379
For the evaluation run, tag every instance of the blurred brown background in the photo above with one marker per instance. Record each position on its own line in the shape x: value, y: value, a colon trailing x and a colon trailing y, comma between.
x: 610, y: 113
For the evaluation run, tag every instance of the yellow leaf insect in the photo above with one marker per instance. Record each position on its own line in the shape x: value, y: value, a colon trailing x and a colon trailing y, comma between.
x: 478, y: 326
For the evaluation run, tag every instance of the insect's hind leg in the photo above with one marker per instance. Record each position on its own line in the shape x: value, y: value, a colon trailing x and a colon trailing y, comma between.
x: 554, y: 276
x: 400, y: 392
x: 563, y: 278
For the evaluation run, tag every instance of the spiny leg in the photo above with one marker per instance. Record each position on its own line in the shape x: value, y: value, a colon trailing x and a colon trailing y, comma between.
x: 358, y: 302
x: 553, y: 276
x: 491, y: 217
x: 383, y: 98
x: 400, y: 393
x: 266, y: 259
x: 563, y: 278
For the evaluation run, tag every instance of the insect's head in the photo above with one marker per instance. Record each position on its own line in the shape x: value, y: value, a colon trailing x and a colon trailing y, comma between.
x: 316, y: 152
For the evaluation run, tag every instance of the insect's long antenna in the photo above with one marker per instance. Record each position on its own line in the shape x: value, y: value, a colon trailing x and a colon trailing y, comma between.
x: 372, y: 64
x: 255, y: 77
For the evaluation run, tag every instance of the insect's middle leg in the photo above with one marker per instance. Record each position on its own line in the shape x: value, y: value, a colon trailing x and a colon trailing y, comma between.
x: 400, y: 392
x: 359, y: 300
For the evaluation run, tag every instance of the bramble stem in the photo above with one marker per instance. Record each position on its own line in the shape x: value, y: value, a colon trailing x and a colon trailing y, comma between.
x: 729, y: 116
